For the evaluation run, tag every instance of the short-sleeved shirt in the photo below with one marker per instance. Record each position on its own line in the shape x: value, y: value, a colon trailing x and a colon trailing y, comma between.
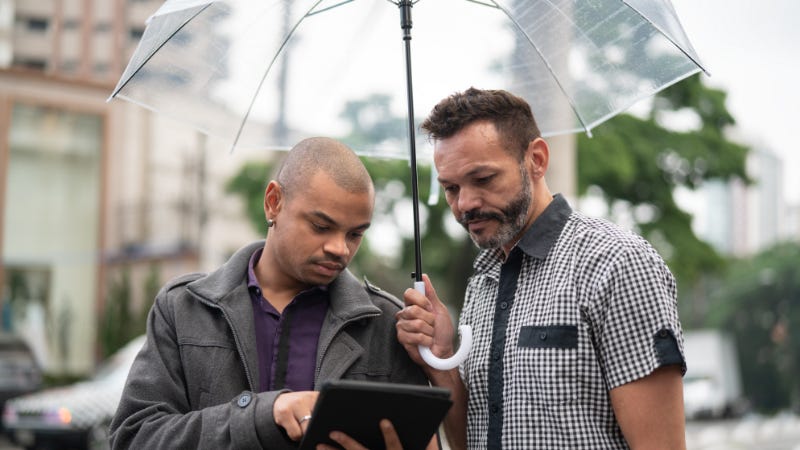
x: 580, y: 307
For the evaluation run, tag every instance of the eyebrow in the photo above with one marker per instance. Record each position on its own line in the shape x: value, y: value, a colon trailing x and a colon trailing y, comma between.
x: 321, y: 215
x: 468, y: 174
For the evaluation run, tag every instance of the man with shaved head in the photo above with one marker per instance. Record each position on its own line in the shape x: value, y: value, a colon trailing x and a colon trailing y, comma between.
x: 233, y: 357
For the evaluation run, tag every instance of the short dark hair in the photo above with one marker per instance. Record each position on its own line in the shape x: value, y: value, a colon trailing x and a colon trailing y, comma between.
x: 510, y: 114
x: 325, y: 155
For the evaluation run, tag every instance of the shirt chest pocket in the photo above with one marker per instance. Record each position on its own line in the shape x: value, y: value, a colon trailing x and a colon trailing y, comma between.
x: 549, y: 358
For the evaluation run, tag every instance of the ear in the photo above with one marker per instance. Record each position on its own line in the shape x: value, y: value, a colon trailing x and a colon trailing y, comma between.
x: 273, y: 200
x: 537, y: 158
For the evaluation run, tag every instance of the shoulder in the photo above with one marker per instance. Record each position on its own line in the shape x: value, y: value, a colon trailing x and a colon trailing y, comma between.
x: 589, y: 233
x: 178, y: 284
x: 381, y: 298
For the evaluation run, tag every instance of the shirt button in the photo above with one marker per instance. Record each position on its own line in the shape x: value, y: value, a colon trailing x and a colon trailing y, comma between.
x: 495, y: 409
x: 496, y: 356
x: 244, y: 400
x: 662, y: 333
x: 543, y: 335
x: 504, y: 305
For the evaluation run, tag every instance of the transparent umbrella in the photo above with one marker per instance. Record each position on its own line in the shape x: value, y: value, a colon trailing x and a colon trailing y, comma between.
x: 266, y: 73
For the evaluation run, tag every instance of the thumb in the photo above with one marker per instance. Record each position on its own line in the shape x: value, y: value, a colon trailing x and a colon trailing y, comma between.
x: 430, y: 293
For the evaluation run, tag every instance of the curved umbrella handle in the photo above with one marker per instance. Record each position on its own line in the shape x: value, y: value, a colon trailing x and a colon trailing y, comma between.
x: 465, y: 331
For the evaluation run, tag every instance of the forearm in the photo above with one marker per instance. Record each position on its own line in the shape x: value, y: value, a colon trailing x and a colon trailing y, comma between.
x: 650, y: 410
x: 161, y: 405
x: 455, y: 423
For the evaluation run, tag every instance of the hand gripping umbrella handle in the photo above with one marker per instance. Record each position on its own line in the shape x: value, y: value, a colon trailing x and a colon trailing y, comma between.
x: 465, y: 331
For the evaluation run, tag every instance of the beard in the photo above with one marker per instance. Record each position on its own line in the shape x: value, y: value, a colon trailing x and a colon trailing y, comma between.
x: 512, y: 218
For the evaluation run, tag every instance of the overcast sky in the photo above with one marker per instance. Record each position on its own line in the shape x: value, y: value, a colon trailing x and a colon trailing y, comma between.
x: 751, y: 50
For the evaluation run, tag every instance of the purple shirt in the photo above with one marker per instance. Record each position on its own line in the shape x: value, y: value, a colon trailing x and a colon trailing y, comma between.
x: 287, y: 343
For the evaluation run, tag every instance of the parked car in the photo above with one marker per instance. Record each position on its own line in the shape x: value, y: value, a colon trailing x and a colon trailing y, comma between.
x: 19, y: 371
x: 712, y: 387
x: 76, y: 416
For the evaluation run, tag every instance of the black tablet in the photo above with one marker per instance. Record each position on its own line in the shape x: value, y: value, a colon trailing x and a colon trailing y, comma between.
x: 357, y: 407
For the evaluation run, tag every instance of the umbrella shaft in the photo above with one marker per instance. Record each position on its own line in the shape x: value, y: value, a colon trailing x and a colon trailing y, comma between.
x: 405, y: 24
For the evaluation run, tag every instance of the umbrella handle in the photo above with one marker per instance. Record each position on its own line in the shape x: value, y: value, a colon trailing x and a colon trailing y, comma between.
x: 465, y: 331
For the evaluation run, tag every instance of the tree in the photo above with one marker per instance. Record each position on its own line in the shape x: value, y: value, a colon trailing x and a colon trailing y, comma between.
x: 633, y: 160
x: 758, y: 300
x: 445, y: 258
x: 640, y: 162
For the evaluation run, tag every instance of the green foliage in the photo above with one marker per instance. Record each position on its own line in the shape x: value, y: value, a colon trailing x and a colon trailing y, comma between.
x: 116, y: 314
x: 758, y: 300
x: 639, y: 162
x: 121, y: 321
x: 152, y: 285
x: 633, y: 160
x: 249, y: 184
x: 447, y: 260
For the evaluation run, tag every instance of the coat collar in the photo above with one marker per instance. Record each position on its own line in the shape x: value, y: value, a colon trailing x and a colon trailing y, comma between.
x: 226, y: 288
x: 348, y: 296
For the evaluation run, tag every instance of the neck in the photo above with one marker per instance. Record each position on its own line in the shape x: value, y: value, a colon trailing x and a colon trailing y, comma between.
x: 277, y: 288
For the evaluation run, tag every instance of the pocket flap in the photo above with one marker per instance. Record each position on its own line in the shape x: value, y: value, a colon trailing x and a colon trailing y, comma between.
x: 551, y: 336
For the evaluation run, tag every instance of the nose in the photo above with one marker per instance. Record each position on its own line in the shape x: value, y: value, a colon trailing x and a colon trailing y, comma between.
x: 468, y: 200
x: 337, y: 246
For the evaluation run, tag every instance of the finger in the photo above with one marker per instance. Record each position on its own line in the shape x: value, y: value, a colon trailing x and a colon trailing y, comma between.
x: 415, y: 316
x: 430, y: 292
x: 412, y: 296
x: 346, y: 441
x: 416, y: 326
x: 304, y: 421
x: 413, y: 339
x: 293, y: 429
x: 289, y: 410
x: 390, y: 436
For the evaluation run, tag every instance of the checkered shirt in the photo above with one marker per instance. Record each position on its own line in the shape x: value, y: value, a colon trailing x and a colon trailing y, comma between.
x: 589, y: 307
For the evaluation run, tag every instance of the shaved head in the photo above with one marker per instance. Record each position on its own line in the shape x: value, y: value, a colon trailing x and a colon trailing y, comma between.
x: 328, y: 155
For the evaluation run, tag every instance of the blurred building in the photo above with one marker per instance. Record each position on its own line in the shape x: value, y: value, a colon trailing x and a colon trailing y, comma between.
x: 741, y: 219
x: 93, y: 192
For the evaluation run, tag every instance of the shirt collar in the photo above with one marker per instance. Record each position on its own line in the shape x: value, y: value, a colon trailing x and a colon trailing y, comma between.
x: 546, y: 229
x: 538, y: 239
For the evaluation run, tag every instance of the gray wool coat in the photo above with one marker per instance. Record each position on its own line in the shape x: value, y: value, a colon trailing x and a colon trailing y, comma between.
x: 194, y: 383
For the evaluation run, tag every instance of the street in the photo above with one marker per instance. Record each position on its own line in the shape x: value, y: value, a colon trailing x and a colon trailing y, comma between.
x: 780, y: 432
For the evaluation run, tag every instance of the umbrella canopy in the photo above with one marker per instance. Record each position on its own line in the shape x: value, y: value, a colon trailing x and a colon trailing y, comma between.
x: 264, y: 73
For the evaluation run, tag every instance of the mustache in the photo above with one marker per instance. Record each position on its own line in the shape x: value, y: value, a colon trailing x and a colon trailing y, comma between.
x: 473, y: 214
x: 338, y: 262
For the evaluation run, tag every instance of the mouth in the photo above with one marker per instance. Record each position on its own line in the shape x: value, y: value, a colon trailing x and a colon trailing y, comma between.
x: 329, y: 268
x: 475, y: 225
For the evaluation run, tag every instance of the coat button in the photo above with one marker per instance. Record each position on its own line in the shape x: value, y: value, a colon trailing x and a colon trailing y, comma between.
x: 244, y: 400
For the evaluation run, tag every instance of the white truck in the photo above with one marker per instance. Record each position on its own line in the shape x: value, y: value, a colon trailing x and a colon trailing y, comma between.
x: 712, y: 387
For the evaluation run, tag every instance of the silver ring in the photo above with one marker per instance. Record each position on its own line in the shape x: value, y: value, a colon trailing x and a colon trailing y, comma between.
x: 304, y: 418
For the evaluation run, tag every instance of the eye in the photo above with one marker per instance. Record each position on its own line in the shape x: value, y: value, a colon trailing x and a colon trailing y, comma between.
x: 484, y: 180
x: 319, y: 227
x: 450, y: 189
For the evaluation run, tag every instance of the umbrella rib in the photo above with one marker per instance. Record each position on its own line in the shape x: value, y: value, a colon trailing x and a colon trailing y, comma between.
x: 313, y: 13
x: 549, y: 69
x: 490, y: 5
x: 669, y: 38
x: 150, y: 56
x: 271, y: 63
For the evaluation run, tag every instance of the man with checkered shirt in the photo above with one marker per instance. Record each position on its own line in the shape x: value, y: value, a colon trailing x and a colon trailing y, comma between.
x: 577, y: 343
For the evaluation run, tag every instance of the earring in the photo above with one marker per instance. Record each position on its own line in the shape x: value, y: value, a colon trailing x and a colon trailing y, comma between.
x: 270, y: 223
